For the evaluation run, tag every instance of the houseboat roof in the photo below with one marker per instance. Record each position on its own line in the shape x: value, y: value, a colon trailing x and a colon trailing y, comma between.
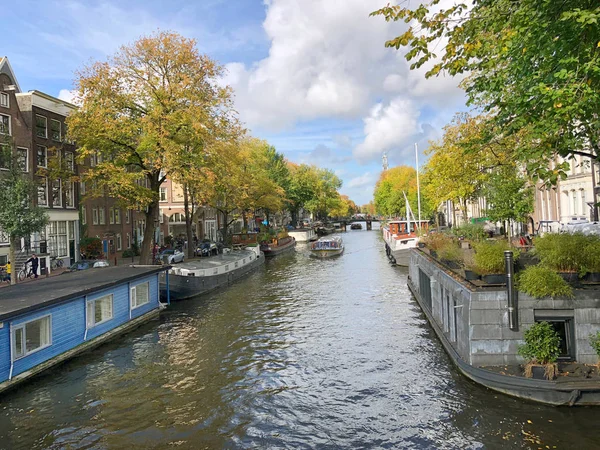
x: 29, y: 296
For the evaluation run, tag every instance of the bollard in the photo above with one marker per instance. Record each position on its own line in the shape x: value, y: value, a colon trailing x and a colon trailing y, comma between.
x: 513, y: 311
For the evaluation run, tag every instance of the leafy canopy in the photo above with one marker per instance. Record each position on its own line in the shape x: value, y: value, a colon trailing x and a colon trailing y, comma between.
x: 535, y: 65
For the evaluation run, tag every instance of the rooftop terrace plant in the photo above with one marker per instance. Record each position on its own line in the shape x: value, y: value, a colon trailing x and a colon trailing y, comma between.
x: 539, y: 282
x: 473, y: 232
x: 436, y: 241
x: 569, y: 252
x: 489, y: 257
x: 595, y: 343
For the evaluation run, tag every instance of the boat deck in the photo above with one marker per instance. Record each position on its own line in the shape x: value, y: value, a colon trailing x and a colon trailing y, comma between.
x: 212, y: 262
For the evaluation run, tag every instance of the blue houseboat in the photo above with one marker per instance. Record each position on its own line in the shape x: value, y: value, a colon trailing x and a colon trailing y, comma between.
x: 46, y: 322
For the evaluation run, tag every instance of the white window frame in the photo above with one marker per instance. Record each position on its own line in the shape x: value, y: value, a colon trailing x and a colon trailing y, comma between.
x: 83, y: 215
x: 44, y: 183
x: 69, y: 195
x: 90, y: 311
x: 95, y: 216
x: 4, y: 100
x: 9, y: 124
x: 117, y: 216
x: 128, y: 240
x: 82, y: 187
x: 45, y: 156
x: 23, y: 328
x: 70, y: 160
x: 119, y: 242
x: 163, y: 190
x: 59, y: 130
x: 133, y: 299
x: 111, y: 216
x: 102, y: 215
x: 26, y: 151
x: 57, y: 201
x: 127, y: 213
x: 36, y: 126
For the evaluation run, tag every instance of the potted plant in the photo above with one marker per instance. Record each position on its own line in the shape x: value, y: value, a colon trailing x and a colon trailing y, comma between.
x: 539, y: 282
x: 566, y: 253
x: 450, y: 254
x: 541, y: 350
x: 488, y: 261
x: 435, y: 242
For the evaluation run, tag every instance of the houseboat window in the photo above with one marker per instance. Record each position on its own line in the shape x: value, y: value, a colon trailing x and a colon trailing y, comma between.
x: 31, y: 337
x: 140, y: 295
x: 565, y: 328
x: 99, y: 310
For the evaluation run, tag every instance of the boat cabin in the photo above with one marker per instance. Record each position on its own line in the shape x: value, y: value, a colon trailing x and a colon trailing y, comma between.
x: 45, y: 322
x: 398, y: 227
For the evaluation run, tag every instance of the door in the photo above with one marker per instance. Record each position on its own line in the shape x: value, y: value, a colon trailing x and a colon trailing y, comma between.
x: 211, y: 230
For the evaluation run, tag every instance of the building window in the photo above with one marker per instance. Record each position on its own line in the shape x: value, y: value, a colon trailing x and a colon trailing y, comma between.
x: 140, y: 295
x: 111, y: 216
x: 41, y: 126
x: 563, y: 323
x: 56, y: 193
x: 56, y: 235
x: 4, y: 124
x: 83, y: 216
x: 119, y: 242
x: 117, y: 216
x: 99, y: 310
x: 584, y: 206
x: 95, y: 216
x: 55, y: 130
x: 574, y: 202
x: 128, y: 240
x: 70, y: 161
x: 23, y: 158
x: 31, y: 336
x: 126, y: 216
x: 161, y: 216
x: 42, y: 156
x: 4, y: 101
x: 82, y: 188
x: 102, y: 215
x: 69, y: 194
x: 42, y: 192
x: 163, y: 194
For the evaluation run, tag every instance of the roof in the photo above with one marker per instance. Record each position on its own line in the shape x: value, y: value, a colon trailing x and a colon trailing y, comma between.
x: 7, y: 69
x: 30, y: 296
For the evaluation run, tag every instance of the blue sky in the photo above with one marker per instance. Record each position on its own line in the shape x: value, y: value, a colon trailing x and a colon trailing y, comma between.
x: 310, y: 76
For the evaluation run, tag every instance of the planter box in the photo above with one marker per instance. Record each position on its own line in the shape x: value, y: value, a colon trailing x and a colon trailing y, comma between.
x: 470, y: 275
x: 570, y: 277
x: 538, y: 372
x: 494, y: 278
x: 592, y: 277
x: 451, y: 264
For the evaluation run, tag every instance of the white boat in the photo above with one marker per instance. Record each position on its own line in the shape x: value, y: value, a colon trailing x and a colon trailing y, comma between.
x: 400, y: 237
x: 327, y: 246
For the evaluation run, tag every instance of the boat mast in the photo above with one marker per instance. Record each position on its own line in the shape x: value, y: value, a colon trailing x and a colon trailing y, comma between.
x: 418, y: 185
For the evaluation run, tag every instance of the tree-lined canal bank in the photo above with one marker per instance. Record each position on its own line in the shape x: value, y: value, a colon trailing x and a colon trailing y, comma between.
x: 303, y: 353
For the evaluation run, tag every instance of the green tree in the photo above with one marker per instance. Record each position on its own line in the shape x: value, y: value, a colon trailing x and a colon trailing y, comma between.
x: 301, y: 188
x: 18, y: 215
x: 138, y: 113
x: 534, y: 64
x: 390, y: 189
x: 509, y: 196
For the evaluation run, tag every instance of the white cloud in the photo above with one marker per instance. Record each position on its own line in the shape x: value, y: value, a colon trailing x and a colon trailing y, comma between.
x: 387, y: 128
x: 367, y: 179
x: 68, y: 96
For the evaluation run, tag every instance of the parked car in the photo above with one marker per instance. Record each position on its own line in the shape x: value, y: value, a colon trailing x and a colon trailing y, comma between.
x: 171, y: 256
x: 85, y: 264
x: 208, y: 248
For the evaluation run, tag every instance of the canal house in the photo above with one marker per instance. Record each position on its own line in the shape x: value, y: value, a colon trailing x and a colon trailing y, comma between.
x: 47, y: 321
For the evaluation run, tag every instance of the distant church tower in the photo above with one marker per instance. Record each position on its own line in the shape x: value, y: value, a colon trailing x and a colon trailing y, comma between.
x: 385, y: 161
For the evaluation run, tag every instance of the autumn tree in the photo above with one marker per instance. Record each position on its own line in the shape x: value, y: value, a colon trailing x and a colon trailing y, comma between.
x: 301, y: 188
x: 18, y: 215
x: 534, y: 65
x: 390, y: 189
x: 138, y: 111
x: 325, y: 196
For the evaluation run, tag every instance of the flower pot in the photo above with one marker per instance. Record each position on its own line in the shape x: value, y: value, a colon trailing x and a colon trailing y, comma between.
x: 421, y: 244
x: 541, y: 371
x: 433, y: 253
x: 592, y: 277
x: 470, y: 275
x: 494, y: 278
x: 569, y: 277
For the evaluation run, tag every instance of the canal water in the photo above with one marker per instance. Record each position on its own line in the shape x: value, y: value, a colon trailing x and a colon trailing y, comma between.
x: 303, y: 353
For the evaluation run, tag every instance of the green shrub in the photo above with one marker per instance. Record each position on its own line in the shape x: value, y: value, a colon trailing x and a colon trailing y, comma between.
x: 472, y: 232
x: 569, y: 252
x: 450, y: 251
x: 542, y: 344
x: 436, y: 241
x: 489, y: 257
x: 539, y: 282
x: 595, y: 343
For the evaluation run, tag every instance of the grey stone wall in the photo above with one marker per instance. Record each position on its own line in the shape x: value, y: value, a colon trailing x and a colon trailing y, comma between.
x: 483, y: 337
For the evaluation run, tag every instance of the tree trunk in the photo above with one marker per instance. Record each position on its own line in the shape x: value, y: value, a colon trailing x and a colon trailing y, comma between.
x: 189, y: 215
x: 147, y: 242
x: 225, y: 225
x: 11, y: 259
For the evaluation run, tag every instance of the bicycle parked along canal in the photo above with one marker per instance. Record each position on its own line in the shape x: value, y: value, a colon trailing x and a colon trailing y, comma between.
x: 56, y: 263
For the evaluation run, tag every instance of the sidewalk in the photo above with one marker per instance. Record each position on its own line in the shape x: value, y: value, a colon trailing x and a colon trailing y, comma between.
x: 55, y: 272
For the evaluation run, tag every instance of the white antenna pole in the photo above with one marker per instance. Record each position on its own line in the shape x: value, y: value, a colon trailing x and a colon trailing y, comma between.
x: 418, y: 185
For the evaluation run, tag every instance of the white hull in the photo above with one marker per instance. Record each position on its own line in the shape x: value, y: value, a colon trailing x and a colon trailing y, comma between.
x: 398, y: 247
